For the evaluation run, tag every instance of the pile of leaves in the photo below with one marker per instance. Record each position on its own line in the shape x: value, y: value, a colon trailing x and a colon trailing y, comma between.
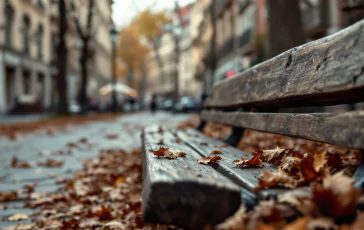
x: 52, y: 125
x: 332, y: 204
x: 106, y: 194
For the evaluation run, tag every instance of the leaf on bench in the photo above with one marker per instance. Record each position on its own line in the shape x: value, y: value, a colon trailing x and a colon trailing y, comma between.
x: 208, y: 159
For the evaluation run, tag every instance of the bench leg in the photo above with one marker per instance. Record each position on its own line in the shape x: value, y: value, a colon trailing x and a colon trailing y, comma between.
x: 359, y: 175
x: 235, y: 136
x: 201, y: 126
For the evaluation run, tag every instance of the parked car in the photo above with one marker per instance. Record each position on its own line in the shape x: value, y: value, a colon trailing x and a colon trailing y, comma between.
x: 185, y: 104
x: 167, y: 105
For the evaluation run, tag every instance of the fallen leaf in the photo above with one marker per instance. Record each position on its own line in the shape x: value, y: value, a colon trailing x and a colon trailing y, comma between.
x: 16, y: 163
x: 112, y: 136
x: 336, y: 196
x: 181, y: 154
x: 322, y: 223
x: 319, y: 161
x: 222, y: 145
x: 216, y: 152
x: 236, y: 221
x: 208, y: 159
x: 159, y: 152
x: 71, y: 145
x: 18, y: 216
x: 203, y: 143
x: 51, y: 163
x: 170, y: 154
x: 255, y: 162
x: 83, y: 140
x: 160, y: 142
x: 270, y: 179
x: 273, y: 153
x: 177, y: 140
x: 289, y: 163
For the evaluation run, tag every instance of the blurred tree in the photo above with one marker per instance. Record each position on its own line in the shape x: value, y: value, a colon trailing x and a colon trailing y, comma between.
x: 85, y: 35
x: 149, y: 26
x: 285, y: 29
x: 132, y: 52
x: 62, y: 107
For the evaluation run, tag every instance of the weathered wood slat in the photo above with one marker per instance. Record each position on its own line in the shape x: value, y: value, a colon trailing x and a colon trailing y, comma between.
x: 344, y: 129
x: 308, y: 75
x: 181, y: 191
x: 245, y: 177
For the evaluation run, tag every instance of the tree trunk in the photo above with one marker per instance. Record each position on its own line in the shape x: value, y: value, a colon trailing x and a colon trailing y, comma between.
x: 82, y: 97
x: 62, y: 61
x: 213, y: 44
x: 159, y: 61
x: 285, y: 29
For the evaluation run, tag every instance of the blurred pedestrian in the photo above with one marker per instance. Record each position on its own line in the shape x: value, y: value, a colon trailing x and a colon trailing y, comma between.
x: 153, y: 103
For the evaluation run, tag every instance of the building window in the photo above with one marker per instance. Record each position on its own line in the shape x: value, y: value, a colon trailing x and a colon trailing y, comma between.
x: 9, y: 17
x: 39, y: 41
x: 40, y: 4
x: 26, y: 31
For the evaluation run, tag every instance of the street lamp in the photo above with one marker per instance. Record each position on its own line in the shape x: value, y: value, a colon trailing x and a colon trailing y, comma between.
x: 114, y: 35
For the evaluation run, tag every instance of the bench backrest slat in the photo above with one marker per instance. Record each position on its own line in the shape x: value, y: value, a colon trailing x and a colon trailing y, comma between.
x: 344, y: 129
x: 308, y: 75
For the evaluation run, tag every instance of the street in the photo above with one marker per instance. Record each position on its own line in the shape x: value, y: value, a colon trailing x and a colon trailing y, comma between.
x: 40, y: 147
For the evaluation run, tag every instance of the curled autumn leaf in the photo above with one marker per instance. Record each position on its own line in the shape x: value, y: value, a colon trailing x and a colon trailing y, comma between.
x: 16, y: 163
x: 167, y: 153
x: 208, y: 159
x: 18, y: 216
x: 319, y: 160
x: 159, y: 152
x: 215, y: 152
x: 51, y: 163
x: 160, y: 142
x: 336, y: 196
x: 222, y: 145
x: 270, y: 179
x: 254, y: 162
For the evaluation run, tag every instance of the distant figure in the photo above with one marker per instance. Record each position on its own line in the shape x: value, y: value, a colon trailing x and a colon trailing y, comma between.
x: 153, y: 103
x: 203, y: 99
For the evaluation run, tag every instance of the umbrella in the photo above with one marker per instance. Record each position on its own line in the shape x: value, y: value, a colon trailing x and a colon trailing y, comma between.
x: 119, y: 88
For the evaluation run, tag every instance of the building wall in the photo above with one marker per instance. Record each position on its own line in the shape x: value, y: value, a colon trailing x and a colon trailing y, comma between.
x: 25, y: 72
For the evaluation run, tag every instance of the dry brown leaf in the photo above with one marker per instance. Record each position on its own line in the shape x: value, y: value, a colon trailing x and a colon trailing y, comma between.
x: 358, y: 224
x: 255, y: 162
x: 271, y: 154
x: 319, y: 160
x: 159, y: 152
x: 160, y: 142
x: 208, y: 159
x: 181, y: 154
x: 270, y: 179
x: 203, y: 143
x: 72, y: 145
x: 112, y: 136
x: 170, y: 154
x: 215, y: 151
x: 289, y: 163
x: 51, y: 163
x: 18, y: 216
x: 222, y: 145
x: 16, y: 163
x: 336, y: 196
x: 236, y: 221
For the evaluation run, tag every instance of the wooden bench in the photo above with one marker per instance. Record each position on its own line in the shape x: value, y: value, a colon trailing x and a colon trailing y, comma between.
x: 329, y: 71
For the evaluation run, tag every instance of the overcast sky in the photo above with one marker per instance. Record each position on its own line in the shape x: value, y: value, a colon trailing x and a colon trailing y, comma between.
x: 125, y: 10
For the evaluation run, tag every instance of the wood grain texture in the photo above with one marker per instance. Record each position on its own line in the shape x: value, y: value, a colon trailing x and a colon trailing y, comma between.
x: 245, y: 177
x: 323, y: 72
x: 181, y: 191
x: 344, y: 129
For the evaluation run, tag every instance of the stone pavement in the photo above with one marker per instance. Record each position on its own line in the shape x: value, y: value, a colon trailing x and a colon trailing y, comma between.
x: 27, y: 149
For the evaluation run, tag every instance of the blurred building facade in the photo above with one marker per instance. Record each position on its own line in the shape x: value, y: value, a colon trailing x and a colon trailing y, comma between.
x: 28, y: 51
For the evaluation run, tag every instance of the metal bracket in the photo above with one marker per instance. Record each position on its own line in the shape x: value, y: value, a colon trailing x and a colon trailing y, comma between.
x: 235, y: 136
x: 201, y: 126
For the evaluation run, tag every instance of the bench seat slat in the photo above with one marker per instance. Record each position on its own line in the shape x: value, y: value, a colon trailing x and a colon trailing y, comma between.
x: 181, y: 191
x: 323, y: 72
x: 246, y: 177
x: 344, y: 129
